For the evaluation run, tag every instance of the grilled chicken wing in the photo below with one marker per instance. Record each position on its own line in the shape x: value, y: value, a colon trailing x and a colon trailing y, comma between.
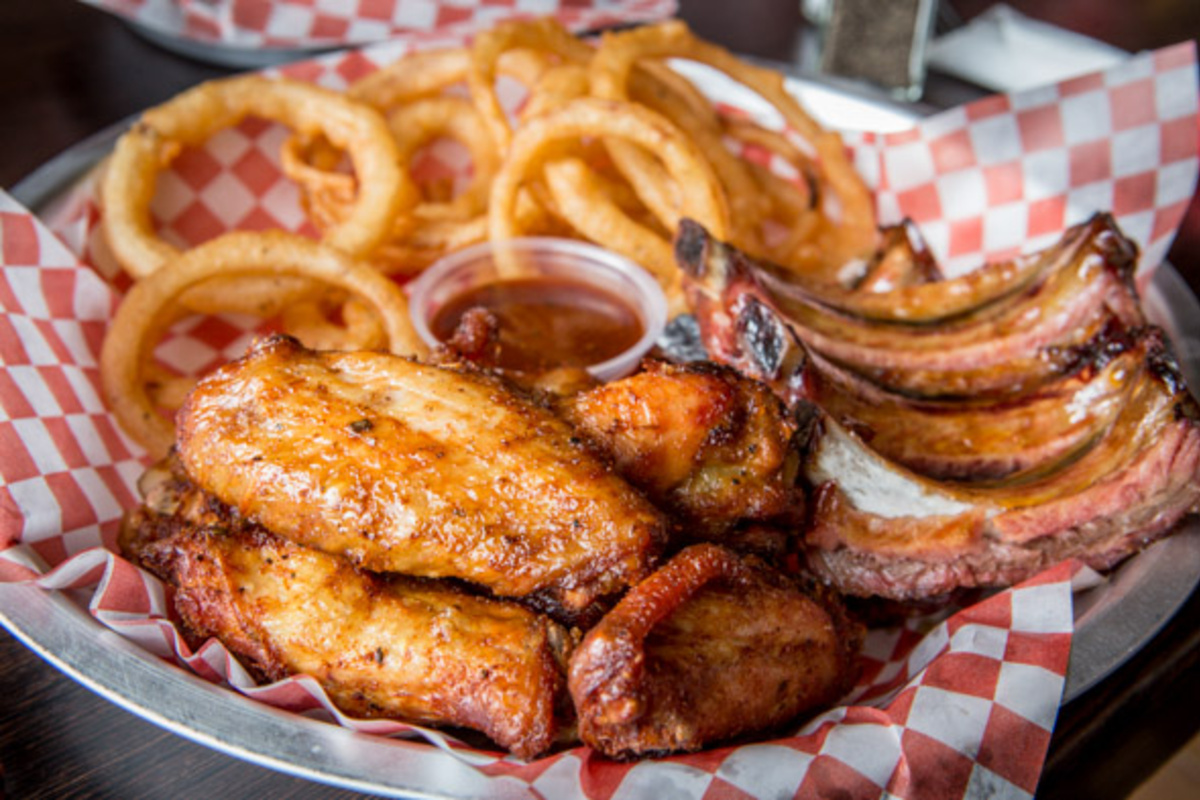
x: 709, y: 647
x: 704, y: 443
x: 416, y: 469
x: 712, y: 447
x: 420, y: 651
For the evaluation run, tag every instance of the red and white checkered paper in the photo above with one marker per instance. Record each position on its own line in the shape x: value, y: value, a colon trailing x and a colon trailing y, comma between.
x: 321, y: 24
x: 963, y: 709
x: 1006, y: 174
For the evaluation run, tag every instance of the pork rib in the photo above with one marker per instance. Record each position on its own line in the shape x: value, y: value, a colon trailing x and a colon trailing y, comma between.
x: 1008, y: 345
x: 967, y: 439
x: 879, y: 529
x: 1098, y: 493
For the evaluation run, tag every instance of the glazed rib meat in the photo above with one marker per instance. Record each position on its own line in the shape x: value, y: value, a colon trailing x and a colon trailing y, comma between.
x: 984, y: 440
x: 880, y: 530
x: 709, y: 647
x: 416, y: 469
x: 1092, y: 452
x: 420, y: 651
x: 967, y: 439
x: 1009, y: 343
x: 903, y: 261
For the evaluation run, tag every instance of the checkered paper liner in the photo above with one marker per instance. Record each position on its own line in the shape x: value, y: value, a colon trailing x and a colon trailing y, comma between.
x: 962, y: 709
x: 319, y: 24
x: 1005, y: 175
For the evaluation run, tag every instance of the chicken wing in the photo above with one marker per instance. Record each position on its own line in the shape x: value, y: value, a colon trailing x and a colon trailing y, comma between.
x: 416, y: 469
x: 712, y: 447
x: 709, y: 647
x: 420, y: 651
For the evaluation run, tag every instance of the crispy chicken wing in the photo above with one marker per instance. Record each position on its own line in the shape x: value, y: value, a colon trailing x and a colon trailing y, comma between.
x: 416, y: 469
x: 712, y: 447
x: 709, y: 647
x: 421, y: 651
x: 706, y: 444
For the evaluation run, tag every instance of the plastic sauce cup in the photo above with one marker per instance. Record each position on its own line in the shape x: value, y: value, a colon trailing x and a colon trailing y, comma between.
x: 569, y: 272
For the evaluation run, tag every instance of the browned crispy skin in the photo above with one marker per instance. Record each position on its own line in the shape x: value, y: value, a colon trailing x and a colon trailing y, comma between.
x: 419, y: 651
x: 709, y: 445
x: 701, y: 441
x: 709, y: 647
x: 416, y: 469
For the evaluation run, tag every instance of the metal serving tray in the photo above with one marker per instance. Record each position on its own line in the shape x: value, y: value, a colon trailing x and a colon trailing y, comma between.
x: 1113, y: 620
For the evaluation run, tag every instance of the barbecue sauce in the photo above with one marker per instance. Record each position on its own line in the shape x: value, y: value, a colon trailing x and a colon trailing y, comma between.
x: 546, y: 323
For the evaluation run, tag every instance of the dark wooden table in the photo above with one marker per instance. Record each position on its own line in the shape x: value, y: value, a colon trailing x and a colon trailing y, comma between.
x: 68, y: 71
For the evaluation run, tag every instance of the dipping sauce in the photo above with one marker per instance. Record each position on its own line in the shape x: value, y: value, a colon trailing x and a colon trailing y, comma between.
x: 556, y: 303
x: 548, y: 322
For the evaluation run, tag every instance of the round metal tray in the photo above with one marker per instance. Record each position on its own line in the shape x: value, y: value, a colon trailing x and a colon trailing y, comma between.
x: 226, y: 55
x: 1113, y: 620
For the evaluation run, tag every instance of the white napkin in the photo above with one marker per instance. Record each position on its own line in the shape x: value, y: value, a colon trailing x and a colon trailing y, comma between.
x: 1004, y: 50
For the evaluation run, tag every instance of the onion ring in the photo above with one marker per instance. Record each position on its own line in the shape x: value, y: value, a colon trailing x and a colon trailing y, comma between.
x: 310, y: 322
x: 652, y: 86
x: 580, y: 198
x: 190, y: 118
x: 590, y: 117
x: 612, y: 72
x: 620, y: 52
x: 544, y: 34
x: 558, y: 85
x: 428, y: 73
x: 422, y: 122
x: 412, y: 77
